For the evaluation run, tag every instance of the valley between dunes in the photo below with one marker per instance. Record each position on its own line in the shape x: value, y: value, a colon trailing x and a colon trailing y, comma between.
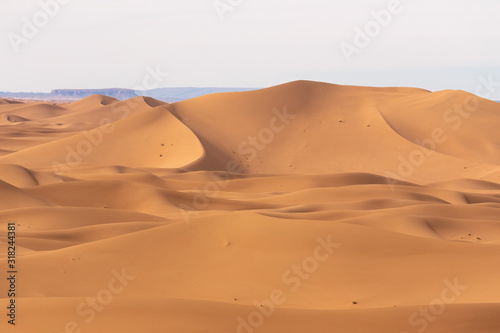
x: 305, y: 207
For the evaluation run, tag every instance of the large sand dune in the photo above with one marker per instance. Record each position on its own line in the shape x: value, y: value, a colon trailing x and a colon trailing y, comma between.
x: 306, y: 207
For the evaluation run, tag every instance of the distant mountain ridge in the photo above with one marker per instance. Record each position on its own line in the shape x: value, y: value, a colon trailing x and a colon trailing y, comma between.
x: 71, y: 94
x: 162, y: 94
x: 184, y: 93
x: 78, y: 94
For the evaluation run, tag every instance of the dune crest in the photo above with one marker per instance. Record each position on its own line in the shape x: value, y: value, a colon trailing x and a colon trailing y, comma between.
x: 305, y: 207
x: 91, y: 102
x: 290, y: 124
x: 153, y: 138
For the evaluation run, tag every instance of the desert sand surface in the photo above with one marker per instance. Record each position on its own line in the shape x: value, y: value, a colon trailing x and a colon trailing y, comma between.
x: 305, y: 207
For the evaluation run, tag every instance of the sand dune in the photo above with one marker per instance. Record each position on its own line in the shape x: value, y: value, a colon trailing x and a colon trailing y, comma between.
x: 33, y: 110
x: 305, y: 207
x: 91, y: 102
x: 15, y: 197
x: 93, y: 110
x: 8, y: 101
x: 467, y: 122
x: 5, y: 119
x: 290, y: 125
x: 153, y: 138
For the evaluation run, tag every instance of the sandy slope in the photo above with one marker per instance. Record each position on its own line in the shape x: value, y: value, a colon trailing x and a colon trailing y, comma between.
x: 152, y: 138
x: 306, y: 207
x: 323, y: 128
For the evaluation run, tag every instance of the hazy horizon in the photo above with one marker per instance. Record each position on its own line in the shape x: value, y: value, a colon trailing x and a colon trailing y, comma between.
x: 318, y: 205
x: 75, y: 44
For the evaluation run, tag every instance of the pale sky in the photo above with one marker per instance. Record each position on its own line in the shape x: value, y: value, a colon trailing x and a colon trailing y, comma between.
x: 431, y: 44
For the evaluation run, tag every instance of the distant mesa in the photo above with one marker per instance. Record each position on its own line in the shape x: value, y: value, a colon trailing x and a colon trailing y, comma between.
x: 66, y: 95
x: 77, y: 94
x: 168, y: 95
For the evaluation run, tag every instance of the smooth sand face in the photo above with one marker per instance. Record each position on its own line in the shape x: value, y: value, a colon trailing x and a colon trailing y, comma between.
x: 306, y: 207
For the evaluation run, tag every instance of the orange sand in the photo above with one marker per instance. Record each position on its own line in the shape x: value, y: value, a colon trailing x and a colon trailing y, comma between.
x: 306, y: 207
